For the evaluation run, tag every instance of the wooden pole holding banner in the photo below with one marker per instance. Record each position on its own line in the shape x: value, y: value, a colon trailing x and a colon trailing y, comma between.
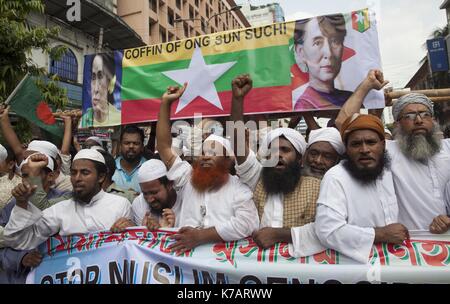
x: 438, y: 95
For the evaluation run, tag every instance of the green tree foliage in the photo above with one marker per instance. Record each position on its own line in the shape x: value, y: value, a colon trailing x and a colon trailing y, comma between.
x: 17, y: 40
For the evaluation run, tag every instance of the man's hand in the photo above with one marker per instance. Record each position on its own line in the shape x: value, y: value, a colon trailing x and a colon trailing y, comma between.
x: 440, y: 224
x: 186, y: 239
x: 241, y: 85
x: 267, y: 237
x: 22, y: 193
x: 393, y: 233
x: 168, y: 218
x: 4, y: 112
x: 121, y: 224
x: 173, y: 93
x: 36, y: 163
x: 375, y: 80
x: 150, y: 222
x: 32, y: 259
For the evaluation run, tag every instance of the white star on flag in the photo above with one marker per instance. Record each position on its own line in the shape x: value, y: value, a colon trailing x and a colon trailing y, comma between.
x: 200, y: 78
x: 360, y: 17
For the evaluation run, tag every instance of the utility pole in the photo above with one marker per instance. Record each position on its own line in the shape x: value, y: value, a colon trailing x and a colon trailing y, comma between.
x: 100, y: 41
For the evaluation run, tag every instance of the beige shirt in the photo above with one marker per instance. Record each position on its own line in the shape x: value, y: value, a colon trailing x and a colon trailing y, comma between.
x: 6, y: 186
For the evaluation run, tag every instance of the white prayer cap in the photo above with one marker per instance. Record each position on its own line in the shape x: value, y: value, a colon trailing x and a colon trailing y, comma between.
x: 90, y: 154
x: 410, y: 99
x: 330, y: 135
x: 386, y: 130
x: 96, y: 139
x: 44, y: 147
x: 98, y: 148
x: 50, y: 164
x: 151, y: 170
x: 3, y: 153
x: 223, y: 141
x: 294, y: 137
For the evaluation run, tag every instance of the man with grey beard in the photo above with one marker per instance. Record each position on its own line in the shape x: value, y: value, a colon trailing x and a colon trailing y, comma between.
x: 420, y: 160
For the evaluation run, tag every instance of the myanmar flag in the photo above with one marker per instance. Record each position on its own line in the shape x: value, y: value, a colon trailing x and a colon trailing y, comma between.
x: 208, y: 64
x: 27, y: 102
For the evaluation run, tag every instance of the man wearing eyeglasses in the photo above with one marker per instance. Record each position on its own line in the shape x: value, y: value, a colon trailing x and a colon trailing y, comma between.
x: 420, y: 160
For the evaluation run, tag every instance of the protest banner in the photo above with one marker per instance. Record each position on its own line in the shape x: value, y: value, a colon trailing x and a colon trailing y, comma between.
x: 139, y: 256
x: 302, y: 65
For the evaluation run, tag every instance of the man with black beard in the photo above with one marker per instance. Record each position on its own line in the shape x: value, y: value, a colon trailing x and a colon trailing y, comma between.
x: 357, y: 206
x: 130, y: 159
x: 89, y: 210
x: 420, y: 160
x: 284, y: 198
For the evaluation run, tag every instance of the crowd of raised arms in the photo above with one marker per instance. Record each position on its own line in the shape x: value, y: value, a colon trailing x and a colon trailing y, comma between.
x: 345, y: 187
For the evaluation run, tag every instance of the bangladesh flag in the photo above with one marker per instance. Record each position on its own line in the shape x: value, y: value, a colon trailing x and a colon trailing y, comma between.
x: 208, y: 64
x: 27, y: 102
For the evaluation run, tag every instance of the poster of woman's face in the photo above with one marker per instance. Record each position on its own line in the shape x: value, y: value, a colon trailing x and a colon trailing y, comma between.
x: 101, y: 91
x: 329, y: 65
x: 319, y: 45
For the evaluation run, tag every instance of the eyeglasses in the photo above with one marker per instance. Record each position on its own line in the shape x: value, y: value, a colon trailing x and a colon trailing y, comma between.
x: 413, y: 116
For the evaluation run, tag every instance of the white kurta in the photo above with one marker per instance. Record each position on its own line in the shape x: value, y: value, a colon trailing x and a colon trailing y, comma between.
x: 419, y: 187
x: 229, y: 209
x: 447, y: 197
x: 249, y: 173
x: 348, y: 212
x: 27, y: 228
x: 140, y: 207
x: 304, y: 239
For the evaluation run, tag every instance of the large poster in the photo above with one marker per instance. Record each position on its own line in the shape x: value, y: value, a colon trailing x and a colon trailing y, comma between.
x: 304, y: 65
x: 139, y: 256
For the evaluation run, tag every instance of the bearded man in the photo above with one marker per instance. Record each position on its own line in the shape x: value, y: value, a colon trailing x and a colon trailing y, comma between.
x: 158, y: 205
x: 420, y: 159
x: 89, y: 210
x: 215, y: 206
x: 131, y: 158
x: 357, y: 206
x: 285, y: 194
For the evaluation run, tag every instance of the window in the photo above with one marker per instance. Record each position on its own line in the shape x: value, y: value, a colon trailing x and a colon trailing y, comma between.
x: 204, y: 28
x: 162, y: 35
x: 191, y: 12
x: 186, y: 30
x: 196, y: 3
x: 66, y: 68
x: 178, y: 4
x: 170, y: 16
x: 152, y: 4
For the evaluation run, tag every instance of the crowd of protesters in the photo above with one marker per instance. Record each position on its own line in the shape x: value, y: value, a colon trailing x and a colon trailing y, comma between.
x: 345, y: 187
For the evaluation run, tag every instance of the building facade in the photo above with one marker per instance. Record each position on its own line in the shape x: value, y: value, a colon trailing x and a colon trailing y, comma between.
x: 263, y: 14
x: 99, y: 30
x: 160, y: 21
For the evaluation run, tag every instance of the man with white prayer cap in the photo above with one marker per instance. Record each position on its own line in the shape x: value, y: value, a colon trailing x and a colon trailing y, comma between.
x: 420, y: 159
x: 215, y: 206
x: 8, y: 176
x: 89, y: 210
x: 357, y: 206
x: 92, y: 141
x: 61, y: 182
x: 16, y: 263
x: 324, y: 151
x: 284, y: 197
x: 158, y: 205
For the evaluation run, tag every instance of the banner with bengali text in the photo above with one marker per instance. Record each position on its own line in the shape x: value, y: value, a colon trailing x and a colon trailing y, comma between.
x: 139, y: 256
